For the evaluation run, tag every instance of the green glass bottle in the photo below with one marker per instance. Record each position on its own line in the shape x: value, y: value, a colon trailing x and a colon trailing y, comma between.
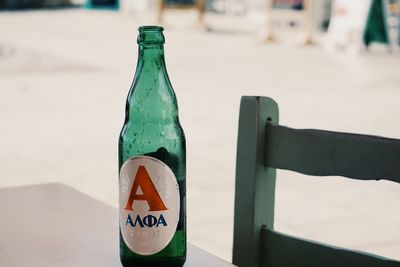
x: 152, y: 164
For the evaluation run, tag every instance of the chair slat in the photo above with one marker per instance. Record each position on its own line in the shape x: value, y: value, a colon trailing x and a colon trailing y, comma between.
x: 324, y: 153
x: 280, y: 250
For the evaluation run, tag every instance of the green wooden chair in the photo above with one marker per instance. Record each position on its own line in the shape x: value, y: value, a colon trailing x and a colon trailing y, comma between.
x: 264, y: 146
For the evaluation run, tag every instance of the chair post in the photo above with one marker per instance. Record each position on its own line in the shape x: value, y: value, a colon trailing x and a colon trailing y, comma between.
x: 255, y: 182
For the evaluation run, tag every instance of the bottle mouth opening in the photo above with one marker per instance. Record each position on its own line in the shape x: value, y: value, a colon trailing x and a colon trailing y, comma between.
x: 151, y: 28
x: 151, y: 35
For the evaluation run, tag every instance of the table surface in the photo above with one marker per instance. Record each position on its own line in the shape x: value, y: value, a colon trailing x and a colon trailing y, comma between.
x: 55, y: 225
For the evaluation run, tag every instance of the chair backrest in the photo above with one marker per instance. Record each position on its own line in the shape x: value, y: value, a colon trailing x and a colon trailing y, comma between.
x: 264, y: 146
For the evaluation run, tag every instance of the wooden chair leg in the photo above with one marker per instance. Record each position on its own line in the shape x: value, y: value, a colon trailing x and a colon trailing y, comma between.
x: 269, y: 36
x: 200, y: 5
x: 308, y: 38
x: 160, y: 10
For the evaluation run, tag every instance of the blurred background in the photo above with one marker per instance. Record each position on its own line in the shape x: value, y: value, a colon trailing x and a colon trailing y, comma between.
x: 66, y: 67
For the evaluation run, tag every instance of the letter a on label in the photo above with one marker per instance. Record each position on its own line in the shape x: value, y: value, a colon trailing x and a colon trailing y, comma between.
x: 150, y: 194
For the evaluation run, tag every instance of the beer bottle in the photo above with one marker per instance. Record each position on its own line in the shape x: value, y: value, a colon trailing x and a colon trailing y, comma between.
x: 152, y: 164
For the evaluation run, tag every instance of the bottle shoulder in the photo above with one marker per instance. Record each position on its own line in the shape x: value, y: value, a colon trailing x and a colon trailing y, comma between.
x: 132, y: 126
x: 151, y: 130
x: 136, y: 141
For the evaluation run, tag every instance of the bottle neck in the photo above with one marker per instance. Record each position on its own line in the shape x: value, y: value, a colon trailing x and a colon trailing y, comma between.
x: 152, y: 55
x: 151, y: 96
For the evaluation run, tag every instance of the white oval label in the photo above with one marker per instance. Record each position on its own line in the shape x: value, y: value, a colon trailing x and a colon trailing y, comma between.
x: 149, y: 204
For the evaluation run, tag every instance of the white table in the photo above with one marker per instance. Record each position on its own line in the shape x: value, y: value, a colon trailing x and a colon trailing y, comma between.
x: 55, y: 225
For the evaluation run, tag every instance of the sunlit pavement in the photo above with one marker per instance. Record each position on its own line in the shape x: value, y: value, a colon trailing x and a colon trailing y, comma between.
x: 64, y: 77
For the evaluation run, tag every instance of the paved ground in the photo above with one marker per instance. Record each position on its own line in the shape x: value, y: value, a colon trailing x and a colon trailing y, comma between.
x: 64, y: 77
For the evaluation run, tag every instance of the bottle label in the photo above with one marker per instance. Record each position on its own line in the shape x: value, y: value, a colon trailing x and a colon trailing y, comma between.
x: 148, y: 205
